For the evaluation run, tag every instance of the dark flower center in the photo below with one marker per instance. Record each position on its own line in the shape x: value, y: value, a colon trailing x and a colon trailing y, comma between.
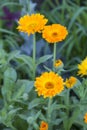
x: 54, y: 34
x: 49, y: 85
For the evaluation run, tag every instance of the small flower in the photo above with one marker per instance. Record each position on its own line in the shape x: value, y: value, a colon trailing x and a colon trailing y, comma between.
x: 82, y: 67
x: 58, y: 63
x: 43, y: 126
x: 49, y: 84
x: 70, y: 82
x: 54, y: 33
x: 32, y: 23
x: 85, y: 118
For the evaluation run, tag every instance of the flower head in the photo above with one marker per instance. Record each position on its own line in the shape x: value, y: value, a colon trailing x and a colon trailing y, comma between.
x: 85, y: 118
x: 32, y: 23
x: 70, y: 82
x: 82, y: 67
x: 49, y: 84
x: 58, y: 63
x: 43, y: 126
x: 54, y: 33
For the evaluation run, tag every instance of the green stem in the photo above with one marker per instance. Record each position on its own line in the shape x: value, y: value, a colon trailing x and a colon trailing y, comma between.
x: 34, y: 55
x: 54, y: 54
x: 49, y: 111
x: 67, y: 103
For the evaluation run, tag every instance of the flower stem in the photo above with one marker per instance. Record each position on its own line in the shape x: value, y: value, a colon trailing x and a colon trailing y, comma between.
x: 54, y: 54
x: 49, y: 111
x: 34, y: 55
x: 67, y: 103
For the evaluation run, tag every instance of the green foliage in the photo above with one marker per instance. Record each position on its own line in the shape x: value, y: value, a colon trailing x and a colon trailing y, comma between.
x: 73, y: 16
x: 20, y: 106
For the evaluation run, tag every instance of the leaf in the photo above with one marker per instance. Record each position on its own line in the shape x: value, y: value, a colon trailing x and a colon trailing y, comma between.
x: 35, y: 103
x: 43, y: 59
x: 10, y: 77
x: 59, y: 106
x: 18, y: 92
x: 21, y: 87
x: 57, y: 121
x: 13, y: 54
x: 8, y: 32
x: 26, y: 59
x: 80, y: 10
x: 73, y: 117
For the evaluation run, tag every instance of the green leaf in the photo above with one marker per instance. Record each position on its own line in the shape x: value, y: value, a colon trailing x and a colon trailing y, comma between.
x: 43, y: 59
x: 10, y: 77
x: 8, y: 32
x: 59, y: 106
x: 78, y: 12
x: 26, y: 59
x: 13, y: 54
x: 35, y: 103
x: 73, y: 117
x: 21, y: 87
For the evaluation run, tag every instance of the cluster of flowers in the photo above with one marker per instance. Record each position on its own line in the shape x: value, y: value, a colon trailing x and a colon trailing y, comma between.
x: 50, y: 83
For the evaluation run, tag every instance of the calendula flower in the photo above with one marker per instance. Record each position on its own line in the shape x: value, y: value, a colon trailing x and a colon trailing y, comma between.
x: 44, y: 126
x: 54, y: 33
x: 85, y: 118
x: 82, y: 67
x: 70, y: 82
x: 32, y: 23
x: 49, y: 84
x: 58, y: 63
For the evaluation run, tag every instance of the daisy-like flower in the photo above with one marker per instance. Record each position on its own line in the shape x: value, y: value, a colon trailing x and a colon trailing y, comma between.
x: 70, y: 82
x: 58, y: 63
x: 44, y: 126
x: 49, y: 84
x: 31, y: 23
x: 54, y: 33
x: 82, y: 67
x: 85, y: 118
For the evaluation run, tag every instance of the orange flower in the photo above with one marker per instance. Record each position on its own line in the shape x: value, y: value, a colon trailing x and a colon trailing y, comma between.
x: 58, y: 63
x: 70, y: 82
x: 49, y: 84
x: 32, y: 23
x: 43, y: 126
x: 82, y: 67
x: 54, y: 33
x: 85, y: 118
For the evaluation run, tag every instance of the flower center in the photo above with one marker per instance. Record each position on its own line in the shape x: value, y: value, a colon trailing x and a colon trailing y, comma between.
x: 49, y: 85
x: 43, y: 126
x: 32, y: 25
x: 54, y: 34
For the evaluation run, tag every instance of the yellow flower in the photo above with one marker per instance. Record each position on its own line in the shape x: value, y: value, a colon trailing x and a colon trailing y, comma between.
x: 43, y: 126
x: 70, y: 82
x: 49, y: 84
x: 54, y: 33
x: 58, y: 63
x: 82, y: 67
x: 85, y: 118
x: 32, y: 23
